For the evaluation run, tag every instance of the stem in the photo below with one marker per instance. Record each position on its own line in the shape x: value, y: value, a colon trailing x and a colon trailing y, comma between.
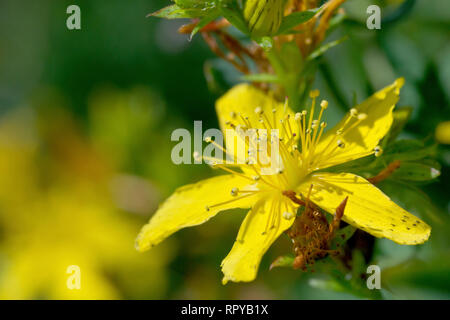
x: 289, y: 81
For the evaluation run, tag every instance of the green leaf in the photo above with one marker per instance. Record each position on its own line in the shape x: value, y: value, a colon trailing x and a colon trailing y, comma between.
x: 195, y: 4
x: 413, y: 171
x: 210, y: 17
x: 235, y: 17
x: 291, y: 21
x: 283, y: 261
x: 321, y: 50
x: 327, y: 284
x: 176, y: 12
x: 335, y: 22
x: 261, y: 77
x: 408, y: 150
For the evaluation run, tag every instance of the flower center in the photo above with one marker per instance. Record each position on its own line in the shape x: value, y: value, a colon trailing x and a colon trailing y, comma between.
x: 298, y: 149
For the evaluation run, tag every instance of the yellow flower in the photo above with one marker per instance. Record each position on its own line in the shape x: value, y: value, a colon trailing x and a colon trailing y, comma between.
x: 305, y: 149
x: 56, y: 213
x: 443, y: 132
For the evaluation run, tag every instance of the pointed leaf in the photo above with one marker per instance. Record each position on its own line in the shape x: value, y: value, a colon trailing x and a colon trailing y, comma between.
x: 261, y: 77
x: 321, y: 50
x: 235, y: 17
x: 294, y: 19
x: 413, y: 171
x: 283, y: 261
x: 210, y: 17
x: 176, y: 12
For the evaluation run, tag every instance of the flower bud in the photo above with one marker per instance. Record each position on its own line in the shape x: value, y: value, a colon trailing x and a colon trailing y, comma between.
x: 264, y: 16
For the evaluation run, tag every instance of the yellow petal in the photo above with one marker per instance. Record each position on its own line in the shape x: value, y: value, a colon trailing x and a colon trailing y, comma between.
x: 245, y: 105
x: 361, y: 140
x: 367, y: 207
x: 192, y: 205
x: 255, y: 236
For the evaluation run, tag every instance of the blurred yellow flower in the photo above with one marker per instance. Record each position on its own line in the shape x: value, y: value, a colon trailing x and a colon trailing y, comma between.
x: 305, y: 152
x: 57, y: 211
x: 443, y: 132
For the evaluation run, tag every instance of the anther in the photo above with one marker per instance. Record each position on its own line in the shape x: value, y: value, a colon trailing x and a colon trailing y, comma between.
x: 362, y: 116
x: 298, y: 116
x: 378, y: 151
x: 314, y: 93
x: 258, y: 110
x: 323, y: 125
x: 233, y: 114
x: 288, y: 215
x: 354, y: 112
x: 340, y: 144
x: 208, y: 139
x: 256, y: 178
x: 234, y: 192
x: 207, y: 208
x: 324, y: 104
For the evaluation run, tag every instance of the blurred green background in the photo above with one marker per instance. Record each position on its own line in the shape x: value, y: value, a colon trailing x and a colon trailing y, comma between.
x: 85, y: 124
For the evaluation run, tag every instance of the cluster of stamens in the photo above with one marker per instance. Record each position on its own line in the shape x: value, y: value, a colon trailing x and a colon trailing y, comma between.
x: 298, y: 136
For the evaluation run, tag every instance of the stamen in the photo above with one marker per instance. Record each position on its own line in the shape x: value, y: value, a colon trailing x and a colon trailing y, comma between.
x: 274, y: 117
x: 229, y: 201
x: 223, y: 167
x: 313, y: 94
